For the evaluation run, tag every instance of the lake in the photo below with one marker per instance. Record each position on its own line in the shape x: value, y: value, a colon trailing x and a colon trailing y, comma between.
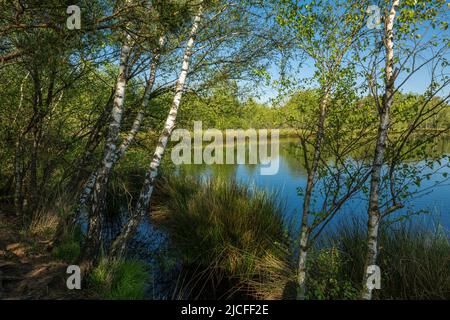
x: 151, y: 244
x: 433, y: 202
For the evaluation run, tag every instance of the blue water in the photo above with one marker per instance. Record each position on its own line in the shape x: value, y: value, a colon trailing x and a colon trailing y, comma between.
x: 431, y: 206
x: 151, y: 245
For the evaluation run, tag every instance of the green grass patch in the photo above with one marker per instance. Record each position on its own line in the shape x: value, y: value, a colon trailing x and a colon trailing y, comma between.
x: 414, y: 263
x: 120, y: 280
x: 68, y: 249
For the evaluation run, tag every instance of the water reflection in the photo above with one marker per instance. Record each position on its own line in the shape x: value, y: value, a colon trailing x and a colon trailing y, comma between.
x: 292, y: 175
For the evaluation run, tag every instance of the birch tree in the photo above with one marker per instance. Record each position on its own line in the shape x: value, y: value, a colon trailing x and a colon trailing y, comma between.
x: 225, y: 42
x: 384, y: 113
x: 407, y: 50
x: 93, y: 237
x: 119, y: 245
x: 95, y: 187
x: 326, y: 32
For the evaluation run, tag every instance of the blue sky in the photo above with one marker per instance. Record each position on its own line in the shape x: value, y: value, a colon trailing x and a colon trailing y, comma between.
x: 417, y: 83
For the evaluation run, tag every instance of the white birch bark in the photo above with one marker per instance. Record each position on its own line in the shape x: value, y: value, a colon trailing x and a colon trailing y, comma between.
x: 374, y: 216
x: 93, y: 238
x: 89, y: 185
x: 145, y: 101
x: 119, y: 245
x: 302, y: 255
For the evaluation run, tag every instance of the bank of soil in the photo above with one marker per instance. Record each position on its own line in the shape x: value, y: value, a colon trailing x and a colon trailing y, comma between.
x: 27, y: 268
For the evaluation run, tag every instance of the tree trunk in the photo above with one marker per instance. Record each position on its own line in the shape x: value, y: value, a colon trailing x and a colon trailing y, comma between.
x: 18, y: 161
x: 304, y: 230
x: 302, y: 255
x: 128, y: 140
x: 91, y: 249
x: 88, y: 186
x: 374, y: 215
x: 119, y: 245
x: 18, y: 178
x: 95, y: 137
x: 145, y: 101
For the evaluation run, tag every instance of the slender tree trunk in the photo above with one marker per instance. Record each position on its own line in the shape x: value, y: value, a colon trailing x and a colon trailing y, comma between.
x: 35, y: 133
x: 91, y: 249
x: 302, y: 256
x: 18, y: 178
x: 145, y: 101
x: 92, y: 183
x: 118, y: 247
x: 304, y: 229
x: 374, y: 215
x: 18, y: 161
x: 95, y: 137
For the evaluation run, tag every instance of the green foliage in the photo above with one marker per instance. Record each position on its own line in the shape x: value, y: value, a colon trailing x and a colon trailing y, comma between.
x: 68, y: 250
x: 120, y: 280
x: 54, y: 113
x: 312, y: 23
x: 325, y: 280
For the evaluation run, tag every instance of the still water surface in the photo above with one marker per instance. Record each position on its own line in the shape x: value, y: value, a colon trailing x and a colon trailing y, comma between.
x: 433, y: 203
x: 152, y: 245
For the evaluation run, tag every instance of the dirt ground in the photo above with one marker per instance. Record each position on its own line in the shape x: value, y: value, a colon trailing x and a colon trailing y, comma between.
x: 27, y: 268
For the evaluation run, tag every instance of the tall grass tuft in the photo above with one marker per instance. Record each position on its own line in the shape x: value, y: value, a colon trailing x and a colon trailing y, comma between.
x: 44, y: 223
x: 230, y: 235
x: 120, y: 280
x: 414, y: 260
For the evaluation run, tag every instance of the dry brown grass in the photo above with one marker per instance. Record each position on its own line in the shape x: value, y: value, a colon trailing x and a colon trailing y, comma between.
x: 274, y: 280
x: 45, y: 222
